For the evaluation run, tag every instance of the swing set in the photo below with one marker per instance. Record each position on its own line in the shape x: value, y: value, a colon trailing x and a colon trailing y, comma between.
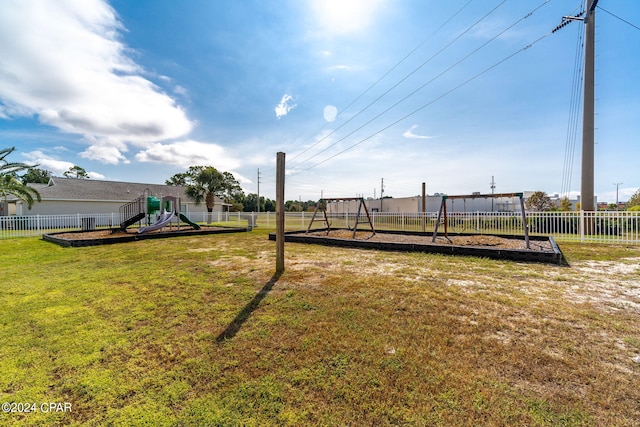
x: 445, y: 221
x: 322, y: 205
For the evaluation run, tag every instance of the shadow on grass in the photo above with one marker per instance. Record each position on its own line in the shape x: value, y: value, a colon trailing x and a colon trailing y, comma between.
x: 243, y: 316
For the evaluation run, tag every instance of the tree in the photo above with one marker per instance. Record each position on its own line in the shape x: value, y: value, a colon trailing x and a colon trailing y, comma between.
x: 565, y: 204
x: 76, y: 172
x: 36, y: 176
x: 539, y: 201
x: 9, y: 182
x: 205, y: 183
x: 634, y: 200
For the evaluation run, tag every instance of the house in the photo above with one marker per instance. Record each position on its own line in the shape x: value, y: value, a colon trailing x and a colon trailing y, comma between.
x: 90, y: 196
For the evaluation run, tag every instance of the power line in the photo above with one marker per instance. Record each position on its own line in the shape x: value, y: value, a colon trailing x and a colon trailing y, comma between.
x: 574, y: 116
x: 380, y: 79
x: 400, y: 82
x: 424, y: 85
x: 486, y: 70
x: 616, y: 16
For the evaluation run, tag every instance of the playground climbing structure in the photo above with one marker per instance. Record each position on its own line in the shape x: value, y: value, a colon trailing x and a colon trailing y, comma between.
x: 144, y: 206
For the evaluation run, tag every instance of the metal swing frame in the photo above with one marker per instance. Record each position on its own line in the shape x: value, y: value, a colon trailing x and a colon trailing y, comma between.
x: 443, y: 210
x: 322, y: 204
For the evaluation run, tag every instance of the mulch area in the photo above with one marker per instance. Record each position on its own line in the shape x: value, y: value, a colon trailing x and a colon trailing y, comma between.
x: 108, y: 234
x: 482, y: 241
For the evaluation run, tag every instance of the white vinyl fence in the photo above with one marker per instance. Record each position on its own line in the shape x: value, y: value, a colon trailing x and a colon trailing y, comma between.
x: 594, y: 227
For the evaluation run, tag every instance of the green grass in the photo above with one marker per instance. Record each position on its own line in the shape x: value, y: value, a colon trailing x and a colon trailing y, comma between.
x: 193, y: 331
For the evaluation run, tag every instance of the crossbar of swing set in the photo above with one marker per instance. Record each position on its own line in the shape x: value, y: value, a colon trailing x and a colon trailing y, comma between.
x: 321, y: 203
x: 443, y: 208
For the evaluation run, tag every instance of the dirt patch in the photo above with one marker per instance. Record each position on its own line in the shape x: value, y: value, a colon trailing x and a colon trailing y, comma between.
x: 485, y: 241
x: 115, y: 234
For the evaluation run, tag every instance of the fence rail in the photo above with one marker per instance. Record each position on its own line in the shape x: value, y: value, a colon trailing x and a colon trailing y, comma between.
x: 591, y: 227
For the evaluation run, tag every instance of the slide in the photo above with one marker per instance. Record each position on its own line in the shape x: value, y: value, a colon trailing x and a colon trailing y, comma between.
x: 164, y: 219
x: 188, y: 221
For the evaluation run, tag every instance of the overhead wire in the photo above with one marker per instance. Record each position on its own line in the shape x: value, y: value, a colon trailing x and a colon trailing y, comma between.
x: 422, y: 87
x: 469, y: 80
x: 574, y: 116
x: 367, y: 90
x: 621, y: 19
x: 415, y: 70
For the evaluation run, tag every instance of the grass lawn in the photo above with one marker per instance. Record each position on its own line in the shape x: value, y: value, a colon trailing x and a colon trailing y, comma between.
x: 196, y: 331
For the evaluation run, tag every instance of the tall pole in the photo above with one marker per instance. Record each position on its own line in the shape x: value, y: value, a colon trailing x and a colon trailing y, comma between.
x: 280, y: 168
x: 258, y: 190
x: 493, y: 189
x: 587, y: 199
x: 617, y: 184
x: 424, y: 207
x: 381, y: 192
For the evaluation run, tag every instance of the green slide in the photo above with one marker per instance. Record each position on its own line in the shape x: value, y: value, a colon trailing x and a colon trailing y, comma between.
x: 188, y: 221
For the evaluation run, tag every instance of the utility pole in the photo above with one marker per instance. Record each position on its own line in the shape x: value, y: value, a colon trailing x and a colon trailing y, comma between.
x: 258, y: 190
x: 587, y: 199
x: 617, y: 184
x: 381, y: 192
x: 493, y: 189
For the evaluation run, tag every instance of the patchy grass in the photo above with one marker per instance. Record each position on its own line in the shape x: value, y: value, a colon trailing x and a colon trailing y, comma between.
x: 198, y: 331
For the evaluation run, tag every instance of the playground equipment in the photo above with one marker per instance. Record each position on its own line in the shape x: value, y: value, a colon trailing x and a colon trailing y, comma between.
x: 145, y: 206
x: 322, y: 205
x: 445, y: 222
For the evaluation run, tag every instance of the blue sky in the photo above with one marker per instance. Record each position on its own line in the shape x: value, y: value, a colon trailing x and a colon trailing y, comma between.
x: 138, y: 91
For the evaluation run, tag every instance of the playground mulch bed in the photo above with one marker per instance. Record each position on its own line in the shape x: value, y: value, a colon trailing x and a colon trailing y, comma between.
x: 108, y: 236
x: 541, y: 248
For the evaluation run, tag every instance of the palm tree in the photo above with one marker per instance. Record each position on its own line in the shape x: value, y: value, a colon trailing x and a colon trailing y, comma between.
x: 207, y: 183
x: 9, y: 182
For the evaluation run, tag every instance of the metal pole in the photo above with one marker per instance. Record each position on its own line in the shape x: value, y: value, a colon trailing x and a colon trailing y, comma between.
x: 280, y: 168
x: 258, y: 208
x: 424, y: 207
x: 617, y: 184
x: 524, y: 223
x: 587, y: 200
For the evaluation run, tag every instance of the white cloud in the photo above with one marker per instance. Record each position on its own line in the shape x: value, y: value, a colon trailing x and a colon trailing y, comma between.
x: 95, y: 175
x: 410, y: 135
x: 287, y: 103
x: 106, y: 153
x: 189, y: 153
x: 63, y: 62
x: 58, y: 167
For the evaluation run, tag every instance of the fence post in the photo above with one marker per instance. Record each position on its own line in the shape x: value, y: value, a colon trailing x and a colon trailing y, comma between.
x: 581, y: 226
x: 38, y: 224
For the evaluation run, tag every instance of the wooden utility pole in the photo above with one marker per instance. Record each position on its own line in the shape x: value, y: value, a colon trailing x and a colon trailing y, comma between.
x: 280, y: 168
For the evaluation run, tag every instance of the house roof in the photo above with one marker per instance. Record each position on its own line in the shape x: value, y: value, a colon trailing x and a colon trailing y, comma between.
x: 70, y: 189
